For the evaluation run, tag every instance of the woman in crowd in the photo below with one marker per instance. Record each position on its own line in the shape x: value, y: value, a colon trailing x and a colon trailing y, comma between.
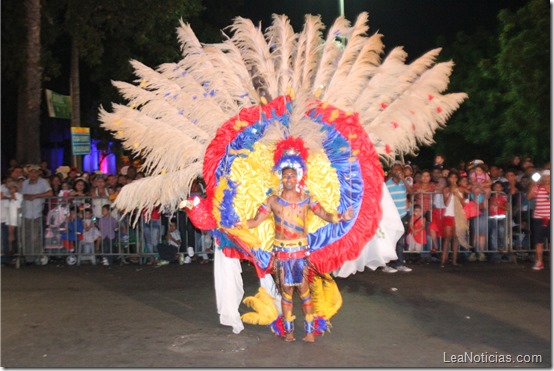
x: 56, y: 181
x: 453, y: 221
x: 79, y: 192
x: 436, y: 227
x: 100, y: 194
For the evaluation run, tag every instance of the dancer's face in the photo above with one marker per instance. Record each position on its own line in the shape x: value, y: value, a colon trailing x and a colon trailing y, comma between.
x: 289, y: 179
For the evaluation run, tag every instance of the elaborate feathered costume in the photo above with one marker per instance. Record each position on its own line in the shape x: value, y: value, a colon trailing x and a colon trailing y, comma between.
x: 222, y: 111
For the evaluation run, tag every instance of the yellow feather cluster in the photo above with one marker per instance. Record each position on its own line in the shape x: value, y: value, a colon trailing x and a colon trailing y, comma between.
x: 326, y: 297
x: 324, y: 187
x: 250, y: 173
x: 265, y: 310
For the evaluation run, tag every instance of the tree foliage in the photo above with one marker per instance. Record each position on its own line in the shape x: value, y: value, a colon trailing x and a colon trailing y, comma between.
x: 109, y: 33
x: 506, y: 75
x: 472, y: 129
x: 505, y: 71
x: 523, y: 65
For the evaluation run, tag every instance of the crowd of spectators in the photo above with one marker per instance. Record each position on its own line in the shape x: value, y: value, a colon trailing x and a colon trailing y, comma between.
x: 87, y: 218
x: 494, y: 198
x: 486, y: 189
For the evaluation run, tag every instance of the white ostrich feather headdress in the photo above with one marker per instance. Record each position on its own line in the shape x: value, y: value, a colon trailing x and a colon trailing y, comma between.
x: 173, y: 111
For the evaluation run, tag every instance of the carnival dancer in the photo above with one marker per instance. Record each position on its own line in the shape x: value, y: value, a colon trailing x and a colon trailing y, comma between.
x: 225, y: 109
x: 291, y: 250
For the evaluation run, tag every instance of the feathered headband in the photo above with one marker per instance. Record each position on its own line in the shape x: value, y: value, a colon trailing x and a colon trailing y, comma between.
x: 291, y: 152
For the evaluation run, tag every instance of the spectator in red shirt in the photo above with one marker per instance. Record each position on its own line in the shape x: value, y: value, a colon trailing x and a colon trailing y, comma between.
x: 540, y: 191
x: 498, y: 204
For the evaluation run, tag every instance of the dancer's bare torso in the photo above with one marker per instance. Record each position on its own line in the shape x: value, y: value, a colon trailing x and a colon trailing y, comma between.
x: 290, y: 215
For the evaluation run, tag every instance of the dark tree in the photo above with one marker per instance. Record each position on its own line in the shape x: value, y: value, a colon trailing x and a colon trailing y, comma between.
x: 524, y: 67
x: 28, y: 141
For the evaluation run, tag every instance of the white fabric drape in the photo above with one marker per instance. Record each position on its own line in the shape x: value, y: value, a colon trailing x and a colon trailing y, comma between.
x: 228, y: 289
x: 377, y: 252
x: 382, y: 247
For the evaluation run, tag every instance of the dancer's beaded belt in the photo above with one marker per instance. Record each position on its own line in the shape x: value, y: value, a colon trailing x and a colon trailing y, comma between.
x: 291, y: 249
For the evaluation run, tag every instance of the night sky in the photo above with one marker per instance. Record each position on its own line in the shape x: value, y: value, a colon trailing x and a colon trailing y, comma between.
x: 414, y: 24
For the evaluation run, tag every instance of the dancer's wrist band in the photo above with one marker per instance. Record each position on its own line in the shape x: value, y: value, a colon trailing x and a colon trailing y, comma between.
x: 337, y: 218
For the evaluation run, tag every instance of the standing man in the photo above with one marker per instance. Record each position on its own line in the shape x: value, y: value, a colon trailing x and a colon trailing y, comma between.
x: 399, y: 189
x: 540, y: 191
x: 291, y: 248
x: 4, y: 212
x: 35, y: 189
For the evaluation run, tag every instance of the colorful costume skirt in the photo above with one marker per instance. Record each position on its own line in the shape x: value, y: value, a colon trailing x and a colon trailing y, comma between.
x: 291, y: 259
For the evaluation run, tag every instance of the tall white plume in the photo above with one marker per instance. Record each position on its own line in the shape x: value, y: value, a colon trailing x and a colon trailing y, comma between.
x: 173, y: 111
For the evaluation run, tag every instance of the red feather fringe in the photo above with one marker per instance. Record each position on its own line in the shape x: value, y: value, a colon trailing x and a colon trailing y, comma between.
x: 349, y: 247
x: 291, y: 142
x: 228, y: 132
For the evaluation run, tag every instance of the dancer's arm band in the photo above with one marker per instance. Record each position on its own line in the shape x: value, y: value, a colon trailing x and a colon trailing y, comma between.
x: 315, y: 206
x: 263, y: 209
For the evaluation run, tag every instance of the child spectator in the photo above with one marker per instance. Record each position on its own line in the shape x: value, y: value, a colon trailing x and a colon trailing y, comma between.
x: 423, y: 196
x: 16, y: 199
x: 91, y: 234
x: 478, y: 177
x: 74, y: 230
x: 115, y: 192
x: 408, y: 174
x: 107, y: 225
x: 169, y: 251
x: 100, y: 195
x: 498, y: 203
x: 65, y: 190
x: 417, y: 236
x: 478, y: 196
x: 463, y: 186
x: 80, y: 190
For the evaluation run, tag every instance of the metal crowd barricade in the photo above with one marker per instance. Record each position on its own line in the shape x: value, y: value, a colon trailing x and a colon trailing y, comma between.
x: 522, y: 234
x: 510, y: 234
x: 53, y: 237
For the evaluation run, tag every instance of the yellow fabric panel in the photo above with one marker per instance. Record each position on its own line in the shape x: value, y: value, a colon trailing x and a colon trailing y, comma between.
x: 254, y: 175
x: 324, y: 187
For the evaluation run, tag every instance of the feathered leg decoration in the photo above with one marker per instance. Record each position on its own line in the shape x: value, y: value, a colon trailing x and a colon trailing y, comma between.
x: 326, y: 301
x: 266, y: 312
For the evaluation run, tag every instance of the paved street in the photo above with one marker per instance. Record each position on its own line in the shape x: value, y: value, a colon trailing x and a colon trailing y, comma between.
x: 142, y: 316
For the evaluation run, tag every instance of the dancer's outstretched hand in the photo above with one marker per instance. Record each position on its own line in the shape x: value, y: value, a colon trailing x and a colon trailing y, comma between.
x: 348, y: 214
